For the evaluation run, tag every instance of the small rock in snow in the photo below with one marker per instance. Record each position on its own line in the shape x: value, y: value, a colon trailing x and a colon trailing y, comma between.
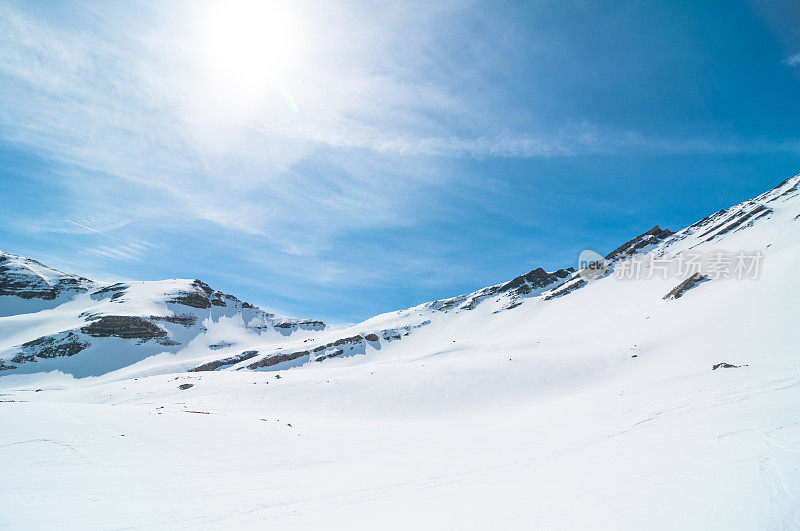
x: 725, y: 365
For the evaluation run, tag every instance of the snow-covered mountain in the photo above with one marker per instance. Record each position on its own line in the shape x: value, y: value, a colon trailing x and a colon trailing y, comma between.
x: 52, y: 320
x: 657, y: 387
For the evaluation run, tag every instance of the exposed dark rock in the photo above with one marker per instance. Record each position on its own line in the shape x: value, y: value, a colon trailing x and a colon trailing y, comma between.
x: 184, y: 387
x: 737, y: 220
x: 22, y: 358
x: 654, y: 235
x: 678, y: 291
x: 70, y: 284
x: 24, y: 286
x: 214, y: 365
x: 301, y: 324
x: 343, y: 341
x: 706, y: 220
x: 4, y: 367
x: 565, y: 289
x: 195, y: 299
x: 788, y: 191
x: 538, y: 278
x: 725, y: 365
x: 279, y: 358
x: 203, y: 286
x: 125, y: 327
x: 18, y: 278
x: 201, y: 297
x: 185, y: 319
x: 167, y: 342
x: 533, y: 281
x: 346, y: 340
x: 55, y: 346
x: 371, y: 337
x: 331, y: 355
x: 117, y: 290
x: 221, y: 344
x: 111, y: 289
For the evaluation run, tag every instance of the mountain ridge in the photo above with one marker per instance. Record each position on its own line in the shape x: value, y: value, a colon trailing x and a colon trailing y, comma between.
x: 156, y: 317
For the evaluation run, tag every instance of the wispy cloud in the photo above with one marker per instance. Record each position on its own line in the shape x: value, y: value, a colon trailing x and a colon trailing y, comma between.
x: 793, y: 60
x: 143, y: 128
x: 120, y: 252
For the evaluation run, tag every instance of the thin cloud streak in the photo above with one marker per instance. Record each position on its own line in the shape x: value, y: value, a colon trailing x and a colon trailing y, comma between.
x: 94, y: 230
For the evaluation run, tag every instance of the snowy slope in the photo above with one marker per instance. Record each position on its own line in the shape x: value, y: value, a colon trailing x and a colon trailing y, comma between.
x: 571, y: 399
x: 747, y: 236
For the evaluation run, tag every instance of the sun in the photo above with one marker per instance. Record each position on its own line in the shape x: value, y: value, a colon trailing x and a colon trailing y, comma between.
x: 249, y: 47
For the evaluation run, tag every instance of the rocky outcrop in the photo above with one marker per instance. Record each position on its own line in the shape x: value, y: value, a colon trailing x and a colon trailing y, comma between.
x: 216, y: 364
x: 538, y: 278
x: 196, y: 298
x: 344, y: 341
x: 220, y: 345
x: 125, y: 327
x: 678, y: 291
x: 746, y: 216
x: 529, y: 284
x: 653, y: 236
x: 53, y: 346
x: 114, y: 291
x: 278, y: 358
x: 351, y: 345
x: 301, y: 324
x: 725, y: 365
x: 567, y: 287
x: 186, y: 320
x: 333, y: 354
x: 25, y: 278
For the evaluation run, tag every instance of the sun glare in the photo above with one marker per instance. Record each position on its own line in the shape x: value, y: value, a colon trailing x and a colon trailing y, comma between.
x: 249, y: 47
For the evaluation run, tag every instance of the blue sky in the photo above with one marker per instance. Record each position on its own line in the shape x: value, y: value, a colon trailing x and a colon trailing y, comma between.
x: 339, y: 161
